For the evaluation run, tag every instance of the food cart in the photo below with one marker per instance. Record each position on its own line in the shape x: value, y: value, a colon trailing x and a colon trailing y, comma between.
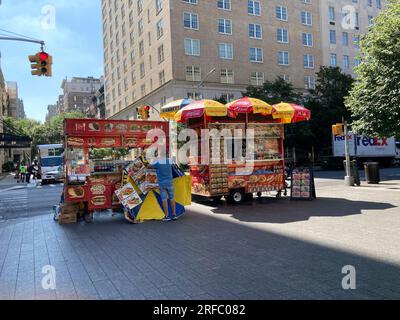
x: 215, y: 179
x: 93, y: 185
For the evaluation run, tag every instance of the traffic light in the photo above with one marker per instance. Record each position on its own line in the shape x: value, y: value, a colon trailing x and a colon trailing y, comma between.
x: 337, y: 129
x: 41, y: 64
x: 144, y: 112
x: 34, y: 60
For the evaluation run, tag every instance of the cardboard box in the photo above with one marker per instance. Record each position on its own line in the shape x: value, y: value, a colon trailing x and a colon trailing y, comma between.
x: 69, y: 208
x: 67, y: 218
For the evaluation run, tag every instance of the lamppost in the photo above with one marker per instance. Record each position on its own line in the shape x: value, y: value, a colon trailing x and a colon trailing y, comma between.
x: 202, y: 82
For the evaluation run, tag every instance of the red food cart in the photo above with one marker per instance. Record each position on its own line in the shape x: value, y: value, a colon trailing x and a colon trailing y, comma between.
x: 262, y: 170
x: 91, y: 183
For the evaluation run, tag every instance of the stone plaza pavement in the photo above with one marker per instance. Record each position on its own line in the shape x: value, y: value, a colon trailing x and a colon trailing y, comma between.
x: 265, y: 249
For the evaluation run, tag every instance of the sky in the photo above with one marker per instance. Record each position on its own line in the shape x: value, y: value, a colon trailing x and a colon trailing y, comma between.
x: 72, y: 31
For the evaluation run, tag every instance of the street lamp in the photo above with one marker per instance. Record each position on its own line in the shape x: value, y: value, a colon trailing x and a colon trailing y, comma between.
x: 204, y: 79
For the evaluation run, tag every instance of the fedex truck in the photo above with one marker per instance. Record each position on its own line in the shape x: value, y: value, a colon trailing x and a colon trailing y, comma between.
x: 382, y: 150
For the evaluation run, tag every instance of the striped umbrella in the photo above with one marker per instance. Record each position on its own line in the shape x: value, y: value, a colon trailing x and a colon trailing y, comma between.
x: 168, y: 111
x: 200, y: 109
x: 290, y: 113
x: 249, y: 105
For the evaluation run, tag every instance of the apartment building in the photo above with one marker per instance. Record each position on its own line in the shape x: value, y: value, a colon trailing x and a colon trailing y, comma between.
x: 343, y: 22
x: 13, y: 100
x: 156, y: 51
x: 3, y: 107
x: 78, y: 93
x: 51, y: 112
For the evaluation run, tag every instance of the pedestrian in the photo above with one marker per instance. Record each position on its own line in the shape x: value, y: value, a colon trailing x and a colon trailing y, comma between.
x: 166, y: 186
x: 29, y: 173
x: 22, y: 172
x: 17, y: 171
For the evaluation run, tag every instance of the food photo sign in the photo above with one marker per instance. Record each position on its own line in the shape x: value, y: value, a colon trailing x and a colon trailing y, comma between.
x: 302, y: 184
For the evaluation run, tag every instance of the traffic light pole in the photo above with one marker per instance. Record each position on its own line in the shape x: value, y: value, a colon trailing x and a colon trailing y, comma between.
x: 42, y: 44
x: 349, y: 179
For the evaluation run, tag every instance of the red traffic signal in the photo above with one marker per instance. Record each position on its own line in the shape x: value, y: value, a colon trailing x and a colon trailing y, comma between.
x: 146, y: 108
x: 43, y: 56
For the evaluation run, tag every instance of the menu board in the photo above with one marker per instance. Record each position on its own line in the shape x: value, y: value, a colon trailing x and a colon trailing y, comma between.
x: 303, y: 185
x: 134, y: 167
x: 151, y: 179
x: 140, y: 180
x: 128, y: 197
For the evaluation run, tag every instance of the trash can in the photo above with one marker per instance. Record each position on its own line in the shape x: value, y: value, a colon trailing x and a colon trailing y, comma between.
x: 372, y: 175
x: 353, y: 171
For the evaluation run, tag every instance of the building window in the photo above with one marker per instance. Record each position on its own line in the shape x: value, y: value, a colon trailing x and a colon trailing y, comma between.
x: 159, y: 6
x: 332, y: 36
x: 225, y: 26
x: 161, y: 77
x: 281, y: 13
x: 142, y: 70
x: 225, y: 51
x: 309, y: 82
x: 256, y: 55
x: 190, y: 20
x: 307, y: 39
x: 227, y: 76
x: 282, y: 35
x: 283, y: 58
x: 346, y: 62
x: 253, y: 8
x: 331, y: 14
x: 345, y: 39
x: 308, y: 61
x: 193, y: 73
x: 224, y: 4
x: 160, y: 54
x: 333, y: 60
x: 255, y: 31
x: 160, y: 29
x: 306, y: 18
x: 192, y: 47
x: 257, y: 78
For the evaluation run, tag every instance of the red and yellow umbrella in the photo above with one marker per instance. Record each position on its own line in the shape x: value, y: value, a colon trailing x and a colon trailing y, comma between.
x: 249, y: 105
x: 201, y: 108
x: 290, y: 113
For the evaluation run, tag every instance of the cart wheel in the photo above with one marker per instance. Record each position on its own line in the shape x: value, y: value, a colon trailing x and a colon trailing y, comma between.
x: 89, y: 217
x: 236, y: 196
x: 259, y: 194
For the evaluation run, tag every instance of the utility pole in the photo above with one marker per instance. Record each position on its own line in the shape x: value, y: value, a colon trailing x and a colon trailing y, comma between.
x: 349, y: 179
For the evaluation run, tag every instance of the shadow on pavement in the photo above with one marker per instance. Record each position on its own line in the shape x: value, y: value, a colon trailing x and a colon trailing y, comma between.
x: 270, y: 210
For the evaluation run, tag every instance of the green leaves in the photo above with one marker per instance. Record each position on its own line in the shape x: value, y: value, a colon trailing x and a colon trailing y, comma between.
x: 374, y: 100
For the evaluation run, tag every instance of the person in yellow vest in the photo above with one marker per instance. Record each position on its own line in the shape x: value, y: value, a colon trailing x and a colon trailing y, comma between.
x: 22, y: 172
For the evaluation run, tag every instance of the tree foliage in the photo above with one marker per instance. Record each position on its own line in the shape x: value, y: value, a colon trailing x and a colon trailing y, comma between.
x: 51, y: 132
x: 375, y: 98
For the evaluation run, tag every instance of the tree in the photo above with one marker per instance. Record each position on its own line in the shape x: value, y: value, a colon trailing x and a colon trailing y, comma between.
x: 327, y: 104
x: 375, y: 98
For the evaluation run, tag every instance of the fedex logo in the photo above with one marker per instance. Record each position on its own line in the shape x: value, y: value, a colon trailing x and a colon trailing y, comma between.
x: 365, y: 141
x: 376, y: 142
